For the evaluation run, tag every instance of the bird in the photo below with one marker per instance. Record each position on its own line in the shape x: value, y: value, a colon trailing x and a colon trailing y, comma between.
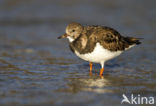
x: 97, y: 44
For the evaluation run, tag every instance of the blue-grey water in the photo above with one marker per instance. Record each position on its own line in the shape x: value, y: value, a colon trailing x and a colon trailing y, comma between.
x: 38, y: 69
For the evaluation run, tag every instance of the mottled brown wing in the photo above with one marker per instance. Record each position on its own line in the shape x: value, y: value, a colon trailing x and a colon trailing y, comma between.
x: 112, y: 40
x: 107, y: 37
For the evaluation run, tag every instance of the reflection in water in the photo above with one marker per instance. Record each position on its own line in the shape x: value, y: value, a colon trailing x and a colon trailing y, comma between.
x: 91, y: 84
x: 109, y: 84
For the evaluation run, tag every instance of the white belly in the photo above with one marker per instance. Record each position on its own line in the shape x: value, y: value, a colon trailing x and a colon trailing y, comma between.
x: 98, y: 55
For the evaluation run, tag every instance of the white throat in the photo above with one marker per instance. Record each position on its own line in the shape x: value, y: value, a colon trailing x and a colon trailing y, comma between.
x: 70, y: 39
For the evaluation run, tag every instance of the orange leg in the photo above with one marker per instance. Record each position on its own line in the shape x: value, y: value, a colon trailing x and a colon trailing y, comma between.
x: 91, y: 65
x: 101, y: 71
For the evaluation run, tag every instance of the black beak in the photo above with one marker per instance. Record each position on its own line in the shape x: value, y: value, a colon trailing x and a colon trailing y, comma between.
x: 63, y: 36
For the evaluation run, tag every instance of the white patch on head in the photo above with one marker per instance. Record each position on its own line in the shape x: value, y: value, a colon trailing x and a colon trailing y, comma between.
x: 99, y: 54
x: 70, y: 39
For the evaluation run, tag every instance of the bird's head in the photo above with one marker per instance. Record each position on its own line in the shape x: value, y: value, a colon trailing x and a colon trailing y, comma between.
x: 73, y: 31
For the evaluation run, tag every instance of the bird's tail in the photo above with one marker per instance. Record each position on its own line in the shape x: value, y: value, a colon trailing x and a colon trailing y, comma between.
x: 132, y: 40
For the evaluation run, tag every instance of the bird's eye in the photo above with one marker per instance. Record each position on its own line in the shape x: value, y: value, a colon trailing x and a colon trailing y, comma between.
x: 73, y: 30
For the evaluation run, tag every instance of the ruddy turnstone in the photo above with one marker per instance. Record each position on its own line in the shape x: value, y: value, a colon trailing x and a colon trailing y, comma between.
x: 97, y: 44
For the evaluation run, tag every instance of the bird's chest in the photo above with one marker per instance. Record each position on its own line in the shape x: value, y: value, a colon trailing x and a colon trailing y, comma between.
x: 99, y: 54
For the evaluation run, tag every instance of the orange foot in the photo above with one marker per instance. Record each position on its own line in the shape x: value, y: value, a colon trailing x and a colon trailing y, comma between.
x: 101, y: 72
x: 90, y: 70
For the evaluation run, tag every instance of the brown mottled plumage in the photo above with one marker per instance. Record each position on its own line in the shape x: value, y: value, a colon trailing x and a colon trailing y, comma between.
x: 109, y: 38
x: 97, y: 43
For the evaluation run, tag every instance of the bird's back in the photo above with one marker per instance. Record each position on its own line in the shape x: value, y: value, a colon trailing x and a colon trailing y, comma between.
x: 109, y: 38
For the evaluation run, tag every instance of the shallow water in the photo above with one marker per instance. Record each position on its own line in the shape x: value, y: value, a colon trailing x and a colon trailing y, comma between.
x: 38, y: 69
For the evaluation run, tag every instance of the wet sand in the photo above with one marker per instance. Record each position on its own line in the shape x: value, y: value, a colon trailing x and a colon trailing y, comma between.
x: 38, y: 69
